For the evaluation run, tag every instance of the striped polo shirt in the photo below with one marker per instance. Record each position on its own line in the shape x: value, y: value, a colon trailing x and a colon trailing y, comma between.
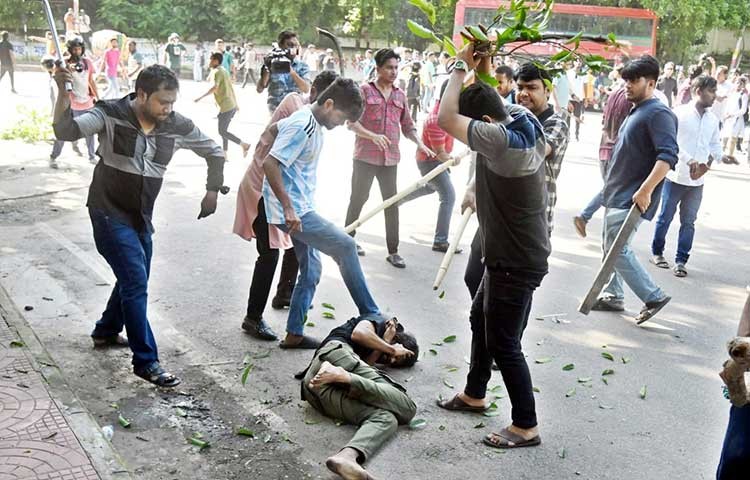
x: 297, y: 148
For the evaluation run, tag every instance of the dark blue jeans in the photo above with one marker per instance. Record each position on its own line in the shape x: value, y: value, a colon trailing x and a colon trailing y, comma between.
x: 128, y: 252
x: 735, y: 454
x: 689, y: 199
x: 443, y: 185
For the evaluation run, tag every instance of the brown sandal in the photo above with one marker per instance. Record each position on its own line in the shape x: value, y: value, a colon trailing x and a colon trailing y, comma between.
x: 458, y: 405
x: 508, y: 439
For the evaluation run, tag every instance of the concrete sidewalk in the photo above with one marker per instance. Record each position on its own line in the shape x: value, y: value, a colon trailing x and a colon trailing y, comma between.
x: 45, y: 432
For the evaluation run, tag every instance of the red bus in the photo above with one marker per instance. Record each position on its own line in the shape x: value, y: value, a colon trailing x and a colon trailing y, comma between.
x: 634, y: 27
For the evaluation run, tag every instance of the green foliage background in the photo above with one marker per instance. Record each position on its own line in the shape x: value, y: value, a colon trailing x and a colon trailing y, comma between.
x: 683, y: 23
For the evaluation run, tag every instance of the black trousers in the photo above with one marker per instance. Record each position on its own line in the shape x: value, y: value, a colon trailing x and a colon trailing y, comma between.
x: 474, y: 267
x: 265, y: 267
x: 499, y: 314
x: 362, y: 177
x: 225, y: 118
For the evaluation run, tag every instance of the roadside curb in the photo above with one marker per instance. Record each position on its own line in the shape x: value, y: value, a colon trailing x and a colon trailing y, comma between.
x: 102, y: 455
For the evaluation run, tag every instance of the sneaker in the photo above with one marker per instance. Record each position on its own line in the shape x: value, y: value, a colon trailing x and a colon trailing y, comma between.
x: 609, y: 304
x: 258, y: 328
x: 53, y: 163
x: 651, y: 309
x: 580, y: 223
x: 360, y: 251
x: 93, y: 161
x: 396, y: 260
x: 77, y: 150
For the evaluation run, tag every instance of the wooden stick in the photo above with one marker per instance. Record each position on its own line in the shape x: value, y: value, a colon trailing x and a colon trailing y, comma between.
x: 608, y: 265
x: 414, y: 186
x: 452, y: 248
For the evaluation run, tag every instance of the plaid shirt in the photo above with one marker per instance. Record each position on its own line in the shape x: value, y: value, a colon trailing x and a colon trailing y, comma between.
x: 556, y: 133
x: 385, y: 117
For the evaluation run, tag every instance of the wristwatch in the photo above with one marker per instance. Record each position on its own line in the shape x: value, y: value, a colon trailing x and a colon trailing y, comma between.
x: 460, y: 65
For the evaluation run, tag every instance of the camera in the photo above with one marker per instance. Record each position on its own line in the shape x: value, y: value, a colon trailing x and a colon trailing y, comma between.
x: 278, y: 60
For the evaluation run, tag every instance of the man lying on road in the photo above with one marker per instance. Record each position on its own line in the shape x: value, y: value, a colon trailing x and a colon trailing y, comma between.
x: 343, y: 383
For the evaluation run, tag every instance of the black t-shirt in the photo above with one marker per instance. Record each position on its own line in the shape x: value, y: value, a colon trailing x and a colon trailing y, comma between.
x: 343, y: 333
x: 5, y: 48
x: 511, y: 192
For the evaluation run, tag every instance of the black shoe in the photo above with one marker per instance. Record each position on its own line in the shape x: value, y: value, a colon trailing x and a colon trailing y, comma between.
x: 396, y: 260
x: 651, y: 309
x: 258, y: 329
x: 443, y: 247
x: 360, y: 251
x: 609, y: 304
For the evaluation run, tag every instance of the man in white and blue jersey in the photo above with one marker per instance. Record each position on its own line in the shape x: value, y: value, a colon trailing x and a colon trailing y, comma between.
x: 289, y: 197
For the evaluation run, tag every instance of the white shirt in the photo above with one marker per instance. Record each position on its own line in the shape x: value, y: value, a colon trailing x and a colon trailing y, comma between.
x: 697, y: 137
x: 722, y: 90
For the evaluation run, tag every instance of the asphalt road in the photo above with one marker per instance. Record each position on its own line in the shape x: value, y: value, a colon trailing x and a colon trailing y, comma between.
x: 201, y: 274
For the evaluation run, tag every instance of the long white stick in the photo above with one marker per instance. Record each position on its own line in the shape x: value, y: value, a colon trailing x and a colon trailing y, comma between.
x: 452, y: 248
x: 394, y: 199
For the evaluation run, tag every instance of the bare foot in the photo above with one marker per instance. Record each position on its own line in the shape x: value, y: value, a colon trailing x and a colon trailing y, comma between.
x: 525, y: 433
x: 329, y: 374
x: 345, y: 465
x: 245, y: 148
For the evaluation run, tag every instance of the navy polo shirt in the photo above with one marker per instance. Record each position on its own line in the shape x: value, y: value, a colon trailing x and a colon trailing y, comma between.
x: 648, y: 134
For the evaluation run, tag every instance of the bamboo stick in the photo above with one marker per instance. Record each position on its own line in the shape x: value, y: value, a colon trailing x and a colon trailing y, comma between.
x: 394, y: 199
x: 452, y: 248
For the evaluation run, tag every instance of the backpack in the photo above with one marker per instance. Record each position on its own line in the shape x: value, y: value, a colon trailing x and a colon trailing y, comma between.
x: 413, y: 89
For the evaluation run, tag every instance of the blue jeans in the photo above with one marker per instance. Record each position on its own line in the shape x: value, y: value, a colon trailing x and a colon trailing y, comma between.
x: 443, y: 185
x: 689, y: 198
x: 627, y: 266
x: 58, y: 145
x: 735, y: 454
x: 318, y: 234
x: 596, y: 202
x: 128, y: 252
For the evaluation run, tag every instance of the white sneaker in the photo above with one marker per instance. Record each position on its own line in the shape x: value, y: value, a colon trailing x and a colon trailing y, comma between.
x: 53, y: 163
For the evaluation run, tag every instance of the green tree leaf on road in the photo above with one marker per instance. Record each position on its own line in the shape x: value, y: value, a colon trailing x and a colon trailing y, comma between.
x: 328, y: 315
x: 417, y: 423
x: 328, y: 306
x: 449, y: 339
x: 124, y: 422
x: 608, y: 371
x: 568, y: 367
x: 543, y: 360
x: 245, y: 373
x: 642, y: 392
x: 245, y: 432
x: 608, y: 356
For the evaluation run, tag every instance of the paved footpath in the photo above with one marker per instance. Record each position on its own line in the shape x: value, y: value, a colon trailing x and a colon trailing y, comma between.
x: 38, y: 414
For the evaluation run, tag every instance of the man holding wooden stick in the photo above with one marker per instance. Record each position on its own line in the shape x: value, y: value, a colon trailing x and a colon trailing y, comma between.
x: 511, y: 207
x: 376, y: 151
x: 645, y: 151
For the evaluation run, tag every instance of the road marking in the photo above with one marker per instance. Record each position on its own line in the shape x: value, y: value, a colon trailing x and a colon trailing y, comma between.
x: 96, y: 266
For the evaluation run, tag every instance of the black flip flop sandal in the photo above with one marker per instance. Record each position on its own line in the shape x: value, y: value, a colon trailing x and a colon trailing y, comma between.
x: 507, y: 439
x: 158, y: 376
x: 457, y: 405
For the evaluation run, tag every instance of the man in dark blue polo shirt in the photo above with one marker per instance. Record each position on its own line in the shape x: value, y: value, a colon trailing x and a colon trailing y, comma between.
x: 645, y: 151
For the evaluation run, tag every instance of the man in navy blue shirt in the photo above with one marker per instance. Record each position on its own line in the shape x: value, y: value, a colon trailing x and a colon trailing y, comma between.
x: 645, y: 151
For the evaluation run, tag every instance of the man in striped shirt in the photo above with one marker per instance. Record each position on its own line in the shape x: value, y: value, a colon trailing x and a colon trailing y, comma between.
x: 289, y: 199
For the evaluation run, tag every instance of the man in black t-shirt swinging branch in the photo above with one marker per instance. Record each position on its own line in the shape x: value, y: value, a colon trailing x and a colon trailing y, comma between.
x: 511, y: 200
x: 343, y: 383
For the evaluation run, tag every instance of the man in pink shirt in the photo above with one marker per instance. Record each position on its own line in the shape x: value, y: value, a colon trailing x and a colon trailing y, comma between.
x: 250, y: 222
x: 112, y: 66
x: 82, y: 97
x: 376, y: 151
